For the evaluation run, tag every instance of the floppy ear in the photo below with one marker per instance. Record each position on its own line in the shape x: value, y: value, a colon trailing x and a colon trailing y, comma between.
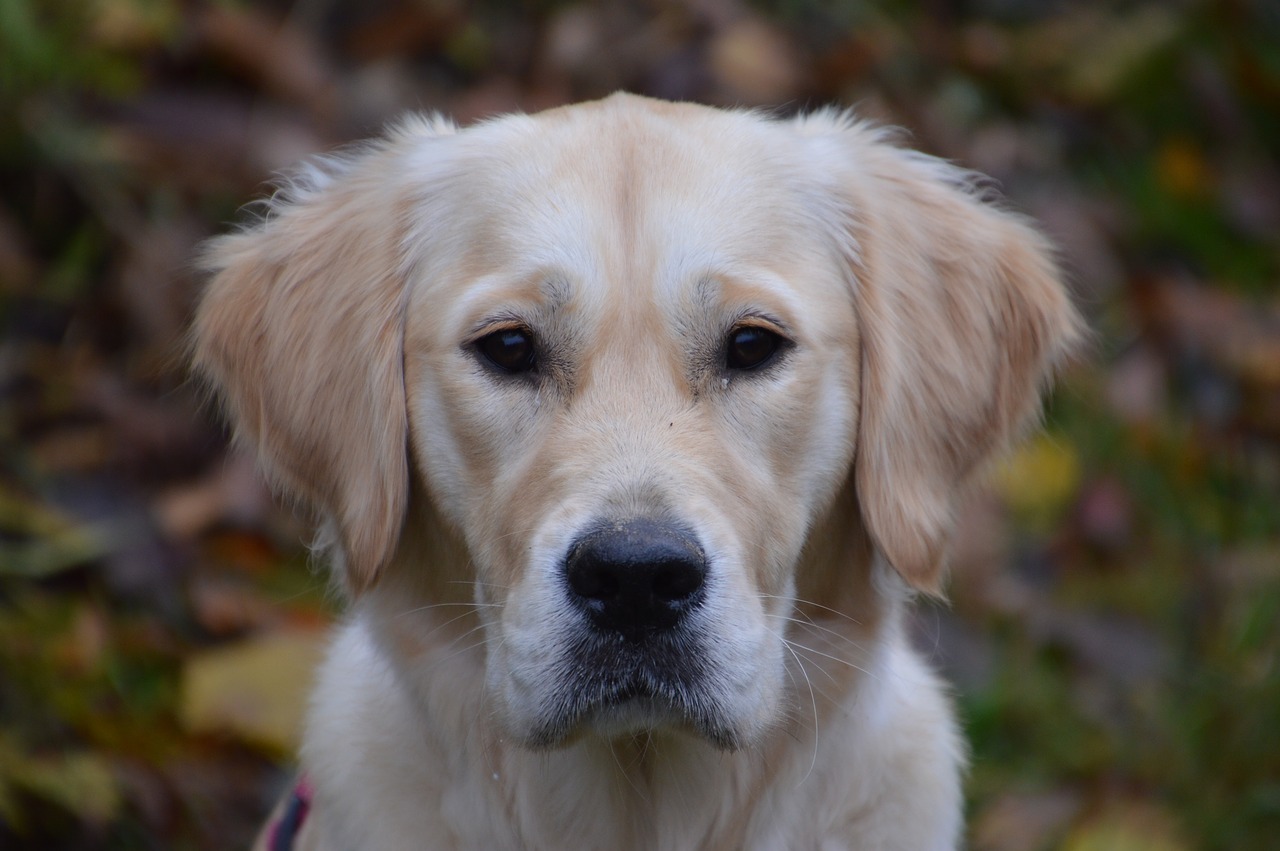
x: 300, y: 332
x: 962, y: 317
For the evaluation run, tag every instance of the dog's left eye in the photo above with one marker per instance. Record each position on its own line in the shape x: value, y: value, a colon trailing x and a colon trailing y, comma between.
x: 510, y: 349
x: 751, y: 346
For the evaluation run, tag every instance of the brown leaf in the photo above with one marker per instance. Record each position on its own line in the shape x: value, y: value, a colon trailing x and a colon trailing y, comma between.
x: 1238, y: 337
x: 403, y: 28
x: 17, y: 263
x: 1024, y: 821
x: 756, y: 62
x: 232, y: 491
x: 226, y: 607
x: 280, y: 57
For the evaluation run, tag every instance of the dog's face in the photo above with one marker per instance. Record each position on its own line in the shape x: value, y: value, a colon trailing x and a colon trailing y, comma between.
x: 630, y: 385
x: 633, y: 353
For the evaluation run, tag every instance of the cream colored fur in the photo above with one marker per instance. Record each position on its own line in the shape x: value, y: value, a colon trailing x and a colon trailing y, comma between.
x: 629, y: 237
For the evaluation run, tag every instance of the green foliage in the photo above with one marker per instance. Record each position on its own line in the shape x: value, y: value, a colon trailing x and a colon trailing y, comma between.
x: 1199, y: 728
x: 67, y: 46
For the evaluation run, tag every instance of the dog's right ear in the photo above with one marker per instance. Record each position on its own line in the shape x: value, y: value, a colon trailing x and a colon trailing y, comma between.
x: 300, y: 332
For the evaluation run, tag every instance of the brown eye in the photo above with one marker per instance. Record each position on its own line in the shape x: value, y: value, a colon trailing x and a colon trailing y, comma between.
x: 510, y: 350
x: 751, y: 346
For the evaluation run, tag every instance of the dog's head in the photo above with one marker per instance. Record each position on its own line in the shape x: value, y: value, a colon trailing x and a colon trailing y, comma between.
x: 632, y: 355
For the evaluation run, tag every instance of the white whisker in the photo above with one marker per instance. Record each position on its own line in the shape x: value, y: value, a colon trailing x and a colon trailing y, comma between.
x: 813, y: 701
x: 799, y: 602
x: 817, y: 652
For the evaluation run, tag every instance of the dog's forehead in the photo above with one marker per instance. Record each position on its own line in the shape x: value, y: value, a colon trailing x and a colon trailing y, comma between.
x: 627, y: 190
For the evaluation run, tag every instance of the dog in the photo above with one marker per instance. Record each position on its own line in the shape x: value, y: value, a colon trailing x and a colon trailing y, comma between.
x: 632, y: 428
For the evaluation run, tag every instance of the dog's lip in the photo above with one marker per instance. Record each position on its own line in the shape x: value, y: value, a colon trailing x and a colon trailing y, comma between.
x: 617, y: 673
x: 636, y: 691
x: 609, y: 686
x: 632, y: 687
x: 633, y: 712
x: 635, y: 704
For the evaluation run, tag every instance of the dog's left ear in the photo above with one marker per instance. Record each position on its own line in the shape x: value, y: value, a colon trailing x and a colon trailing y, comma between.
x: 962, y: 318
x: 300, y: 330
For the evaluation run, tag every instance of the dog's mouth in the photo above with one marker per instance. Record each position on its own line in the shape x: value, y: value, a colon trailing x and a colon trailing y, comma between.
x: 635, y: 690
x: 622, y: 691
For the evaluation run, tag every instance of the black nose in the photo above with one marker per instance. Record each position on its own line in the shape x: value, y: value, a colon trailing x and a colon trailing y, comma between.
x: 637, y: 576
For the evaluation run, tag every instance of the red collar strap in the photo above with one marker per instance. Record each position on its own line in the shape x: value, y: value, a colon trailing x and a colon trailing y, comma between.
x: 284, y: 833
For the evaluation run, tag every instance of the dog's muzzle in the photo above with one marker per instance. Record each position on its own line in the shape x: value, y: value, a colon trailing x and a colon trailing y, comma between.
x: 640, y: 653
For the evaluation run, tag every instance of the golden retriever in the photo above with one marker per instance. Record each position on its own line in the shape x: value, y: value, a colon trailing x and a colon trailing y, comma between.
x: 632, y: 428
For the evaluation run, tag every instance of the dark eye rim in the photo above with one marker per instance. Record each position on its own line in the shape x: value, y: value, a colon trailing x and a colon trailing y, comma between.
x: 488, y: 358
x: 781, y: 342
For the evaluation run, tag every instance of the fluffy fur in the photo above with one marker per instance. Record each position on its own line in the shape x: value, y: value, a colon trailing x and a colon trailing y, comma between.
x: 466, y: 703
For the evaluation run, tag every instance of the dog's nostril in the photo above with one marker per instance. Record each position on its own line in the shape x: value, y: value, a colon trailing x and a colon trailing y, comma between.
x: 590, y: 581
x: 636, y: 577
x: 676, y: 582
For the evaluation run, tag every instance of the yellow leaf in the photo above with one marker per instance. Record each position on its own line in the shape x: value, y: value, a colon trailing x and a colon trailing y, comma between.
x: 81, y: 783
x: 1127, y: 826
x: 1117, y: 46
x: 1181, y: 169
x: 1039, y: 479
x: 134, y: 23
x: 256, y: 690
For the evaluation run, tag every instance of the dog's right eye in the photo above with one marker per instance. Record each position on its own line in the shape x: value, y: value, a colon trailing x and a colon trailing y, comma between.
x: 510, y: 349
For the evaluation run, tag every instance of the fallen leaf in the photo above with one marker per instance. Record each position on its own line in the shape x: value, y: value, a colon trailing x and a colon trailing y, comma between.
x: 47, y: 542
x: 231, y: 491
x: 1039, y: 479
x: 18, y: 263
x: 1094, y: 53
x: 755, y: 62
x: 81, y: 783
x: 133, y: 24
x: 1136, y: 390
x: 1127, y: 826
x: 82, y: 648
x: 1106, y: 513
x: 225, y: 606
x: 281, y: 57
x: 256, y: 690
x: 1023, y: 821
x: 1181, y: 169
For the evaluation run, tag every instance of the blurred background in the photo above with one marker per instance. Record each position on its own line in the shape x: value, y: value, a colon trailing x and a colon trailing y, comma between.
x: 1114, y: 621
